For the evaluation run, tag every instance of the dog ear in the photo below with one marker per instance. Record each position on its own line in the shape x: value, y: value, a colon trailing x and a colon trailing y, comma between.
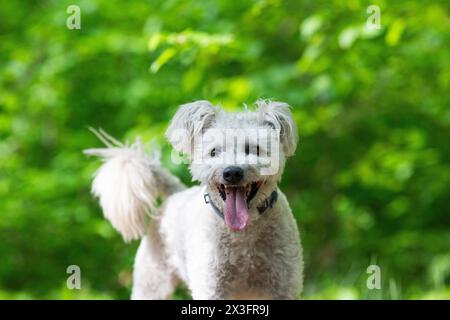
x: 190, y: 120
x: 278, y: 116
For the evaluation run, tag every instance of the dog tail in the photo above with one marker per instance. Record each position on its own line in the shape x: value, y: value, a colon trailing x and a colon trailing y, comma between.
x: 129, y: 183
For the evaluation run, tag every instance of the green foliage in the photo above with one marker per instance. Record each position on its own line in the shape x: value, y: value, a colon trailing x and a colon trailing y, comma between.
x: 370, y: 180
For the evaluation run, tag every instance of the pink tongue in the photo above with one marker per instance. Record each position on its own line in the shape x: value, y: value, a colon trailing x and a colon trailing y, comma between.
x: 236, y: 211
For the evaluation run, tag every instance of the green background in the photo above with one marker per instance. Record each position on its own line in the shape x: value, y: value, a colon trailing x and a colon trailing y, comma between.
x: 369, y: 183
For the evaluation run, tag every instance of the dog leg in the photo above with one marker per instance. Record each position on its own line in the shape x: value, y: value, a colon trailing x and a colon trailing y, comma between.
x: 207, y: 291
x: 153, y: 278
x: 205, y: 282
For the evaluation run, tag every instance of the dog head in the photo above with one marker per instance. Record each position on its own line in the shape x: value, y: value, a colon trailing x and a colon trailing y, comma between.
x: 239, y: 156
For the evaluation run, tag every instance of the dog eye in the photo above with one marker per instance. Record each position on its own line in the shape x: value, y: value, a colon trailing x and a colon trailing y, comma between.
x: 213, y: 152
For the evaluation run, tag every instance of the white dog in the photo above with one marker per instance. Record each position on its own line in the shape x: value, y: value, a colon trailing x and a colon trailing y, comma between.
x: 232, y: 237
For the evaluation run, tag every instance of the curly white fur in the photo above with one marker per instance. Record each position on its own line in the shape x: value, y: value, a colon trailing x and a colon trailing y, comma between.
x: 278, y: 115
x: 186, y: 241
x: 126, y: 185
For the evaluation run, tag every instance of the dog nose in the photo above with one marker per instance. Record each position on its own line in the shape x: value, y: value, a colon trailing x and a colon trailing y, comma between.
x: 233, y: 174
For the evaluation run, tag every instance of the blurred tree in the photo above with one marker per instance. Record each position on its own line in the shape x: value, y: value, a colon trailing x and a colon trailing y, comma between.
x: 369, y: 183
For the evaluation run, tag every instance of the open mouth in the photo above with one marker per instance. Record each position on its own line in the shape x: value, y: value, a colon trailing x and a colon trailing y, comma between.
x: 236, y: 200
x: 250, y: 190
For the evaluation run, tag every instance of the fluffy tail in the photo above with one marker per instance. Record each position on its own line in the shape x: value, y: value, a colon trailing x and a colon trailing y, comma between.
x: 128, y: 184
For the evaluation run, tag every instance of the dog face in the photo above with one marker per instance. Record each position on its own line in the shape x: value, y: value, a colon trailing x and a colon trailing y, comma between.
x: 238, y: 156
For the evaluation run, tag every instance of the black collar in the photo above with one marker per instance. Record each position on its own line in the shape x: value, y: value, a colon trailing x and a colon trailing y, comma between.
x: 266, y: 204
